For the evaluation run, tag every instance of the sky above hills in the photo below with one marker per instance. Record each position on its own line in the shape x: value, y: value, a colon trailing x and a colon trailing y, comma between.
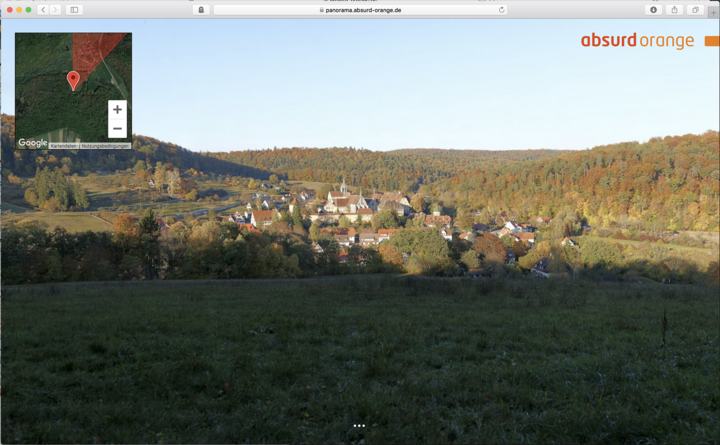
x: 222, y: 85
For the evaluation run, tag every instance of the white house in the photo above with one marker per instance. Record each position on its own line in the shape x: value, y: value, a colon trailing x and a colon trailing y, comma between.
x: 292, y: 205
x: 513, y: 227
x: 263, y: 217
x: 269, y: 204
x: 237, y: 218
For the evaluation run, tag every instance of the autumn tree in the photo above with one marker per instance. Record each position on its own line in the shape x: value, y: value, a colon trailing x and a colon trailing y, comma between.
x: 173, y: 182
x: 418, y: 203
x: 466, y: 221
x: 51, y: 205
x: 471, y: 259
x: 160, y: 178
x: 31, y: 197
x: 126, y: 230
x: 508, y: 241
x: 528, y: 261
x: 519, y: 249
x: 390, y: 256
x: 490, y: 248
x: 187, y: 185
x: 324, y: 191
x: 385, y: 220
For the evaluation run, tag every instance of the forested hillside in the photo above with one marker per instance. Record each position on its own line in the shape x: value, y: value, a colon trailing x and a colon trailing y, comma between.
x: 394, y: 170
x: 668, y: 183
x: 149, y: 150
x: 402, y: 169
x: 509, y: 155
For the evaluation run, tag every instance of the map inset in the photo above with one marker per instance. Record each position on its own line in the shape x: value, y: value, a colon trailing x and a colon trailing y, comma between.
x: 63, y: 83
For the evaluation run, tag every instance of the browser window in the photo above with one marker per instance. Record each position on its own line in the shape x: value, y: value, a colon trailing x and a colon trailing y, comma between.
x: 360, y: 222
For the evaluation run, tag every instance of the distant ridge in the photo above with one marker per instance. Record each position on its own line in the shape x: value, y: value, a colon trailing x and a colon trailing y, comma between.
x: 514, y: 155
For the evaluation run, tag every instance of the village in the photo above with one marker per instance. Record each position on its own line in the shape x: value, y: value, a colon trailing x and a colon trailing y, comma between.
x: 347, y: 218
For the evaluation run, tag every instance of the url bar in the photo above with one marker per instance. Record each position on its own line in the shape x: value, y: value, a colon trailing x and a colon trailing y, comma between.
x: 349, y: 11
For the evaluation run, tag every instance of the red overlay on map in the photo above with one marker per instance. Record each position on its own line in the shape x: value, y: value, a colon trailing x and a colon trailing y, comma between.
x: 89, y: 49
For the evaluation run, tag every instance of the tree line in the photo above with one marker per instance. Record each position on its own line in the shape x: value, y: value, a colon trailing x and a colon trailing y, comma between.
x: 55, y: 191
x: 136, y: 249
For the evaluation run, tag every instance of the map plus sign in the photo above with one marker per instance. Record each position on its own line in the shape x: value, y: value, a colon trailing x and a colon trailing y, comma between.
x: 117, y: 109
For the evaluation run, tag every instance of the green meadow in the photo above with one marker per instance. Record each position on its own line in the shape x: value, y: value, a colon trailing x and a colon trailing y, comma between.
x: 411, y: 360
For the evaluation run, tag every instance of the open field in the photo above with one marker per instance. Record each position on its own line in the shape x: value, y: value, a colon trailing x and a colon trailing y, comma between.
x: 638, y: 243
x: 415, y: 360
x: 80, y: 222
x: 307, y: 184
x: 709, y: 235
x: 14, y: 208
x: 71, y: 221
x: 113, y: 197
x: 318, y: 185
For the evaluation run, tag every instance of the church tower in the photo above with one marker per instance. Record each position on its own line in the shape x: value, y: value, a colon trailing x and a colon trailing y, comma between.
x: 361, y: 203
x: 343, y: 188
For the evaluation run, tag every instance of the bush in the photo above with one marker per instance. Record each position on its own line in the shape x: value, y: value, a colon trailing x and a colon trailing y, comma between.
x: 15, y: 179
x: 192, y: 196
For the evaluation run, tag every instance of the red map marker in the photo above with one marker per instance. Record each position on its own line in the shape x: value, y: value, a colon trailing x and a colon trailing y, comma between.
x: 73, y: 77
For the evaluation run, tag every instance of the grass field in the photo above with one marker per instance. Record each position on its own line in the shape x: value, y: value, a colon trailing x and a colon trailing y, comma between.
x: 413, y: 360
x: 318, y: 185
x: 16, y: 209
x: 72, y: 222
x: 638, y: 243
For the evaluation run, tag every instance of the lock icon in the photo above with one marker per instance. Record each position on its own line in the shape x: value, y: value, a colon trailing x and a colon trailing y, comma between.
x: 201, y: 10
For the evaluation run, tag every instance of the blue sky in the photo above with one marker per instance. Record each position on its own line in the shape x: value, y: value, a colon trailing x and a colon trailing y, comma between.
x: 219, y: 85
